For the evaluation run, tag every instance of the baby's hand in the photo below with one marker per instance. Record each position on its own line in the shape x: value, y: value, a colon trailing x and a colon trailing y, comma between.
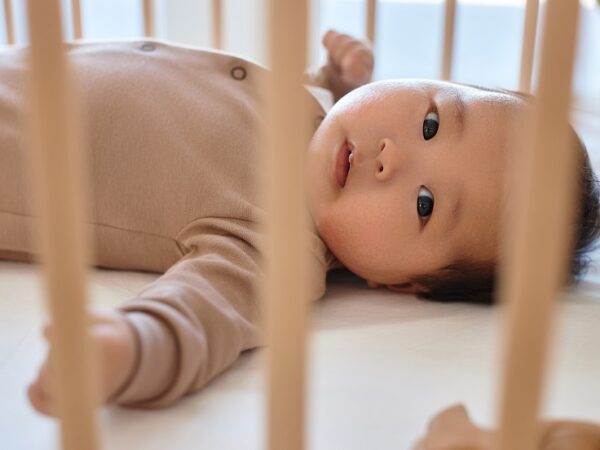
x: 568, y: 434
x: 350, y: 62
x: 114, y: 343
x: 452, y: 429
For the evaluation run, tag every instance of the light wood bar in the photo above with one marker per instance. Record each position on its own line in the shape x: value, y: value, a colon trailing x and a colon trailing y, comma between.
x: 76, y: 13
x: 448, y: 44
x: 287, y: 270
x: 528, y: 49
x: 540, y: 234
x: 371, y: 18
x: 148, y: 8
x: 9, y: 22
x: 59, y: 200
x: 217, y: 16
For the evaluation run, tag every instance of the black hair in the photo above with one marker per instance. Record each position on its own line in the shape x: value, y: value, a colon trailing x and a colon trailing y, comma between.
x: 475, y: 282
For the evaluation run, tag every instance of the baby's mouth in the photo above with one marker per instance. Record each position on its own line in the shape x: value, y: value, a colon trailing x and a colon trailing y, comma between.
x: 342, y: 165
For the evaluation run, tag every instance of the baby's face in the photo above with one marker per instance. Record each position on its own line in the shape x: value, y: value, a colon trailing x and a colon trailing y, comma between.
x: 425, y: 181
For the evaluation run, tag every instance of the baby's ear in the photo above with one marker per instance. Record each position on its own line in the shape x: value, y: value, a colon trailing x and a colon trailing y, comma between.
x: 407, y: 288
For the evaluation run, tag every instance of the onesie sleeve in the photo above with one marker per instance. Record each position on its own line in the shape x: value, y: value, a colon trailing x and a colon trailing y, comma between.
x: 193, y: 321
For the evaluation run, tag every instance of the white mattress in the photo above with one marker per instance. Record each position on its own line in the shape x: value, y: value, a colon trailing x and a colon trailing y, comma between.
x: 380, y: 365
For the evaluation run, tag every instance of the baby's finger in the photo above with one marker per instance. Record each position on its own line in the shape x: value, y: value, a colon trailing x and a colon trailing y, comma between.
x: 47, y: 330
x: 328, y: 38
x: 333, y: 40
x: 340, y: 52
x: 45, y: 377
x: 40, y: 391
x: 452, y: 416
x: 337, y: 44
x: 355, y: 71
x: 40, y: 400
x: 358, y: 56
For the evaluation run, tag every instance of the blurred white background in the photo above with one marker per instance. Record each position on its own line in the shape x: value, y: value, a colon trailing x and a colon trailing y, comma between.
x: 408, y: 41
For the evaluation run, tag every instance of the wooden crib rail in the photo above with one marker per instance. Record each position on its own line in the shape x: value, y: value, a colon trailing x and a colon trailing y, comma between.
x: 371, y: 19
x: 287, y: 266
x: 9, y: 22
x: 527, y: 51
x: 540, y: 235
x: 76, y: 18
x: 448, y: 43
x: 148, y: 12
x: 59, y: 200
x: 217, y: 23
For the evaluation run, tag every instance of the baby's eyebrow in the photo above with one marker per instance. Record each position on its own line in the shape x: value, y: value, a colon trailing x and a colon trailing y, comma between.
x: 459, y: 110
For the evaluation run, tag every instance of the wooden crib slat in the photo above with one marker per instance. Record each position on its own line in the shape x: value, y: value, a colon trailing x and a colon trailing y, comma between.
x: 59, y: 200
x: 286, y: 247
x: 217, y: 15
x: 9, y: 23
x: 76, y: 13
x: 540, y: 235
x: 148, y: 8
x: 528, y: 49
x: 371, y: 20
x: 447, y: 52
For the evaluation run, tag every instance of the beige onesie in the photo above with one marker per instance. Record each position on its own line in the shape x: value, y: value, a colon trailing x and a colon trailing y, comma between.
x: 173, y: 149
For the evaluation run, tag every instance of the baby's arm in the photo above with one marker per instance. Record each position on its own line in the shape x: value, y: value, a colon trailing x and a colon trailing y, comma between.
x: 349, y: 64
x: 196, y: 319
x: 191, y: 324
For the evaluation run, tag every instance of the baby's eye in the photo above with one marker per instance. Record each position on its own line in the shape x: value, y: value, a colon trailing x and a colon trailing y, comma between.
x: 430, y: 125
x: 424, y: 203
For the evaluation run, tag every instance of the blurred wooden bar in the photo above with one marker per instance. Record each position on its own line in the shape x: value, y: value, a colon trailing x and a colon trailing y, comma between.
x: 217, y: 16
x: 541, y: 233
x: 59, y: 200
x: 148, y: 8
x: 528, y: 48
x: 448, y: 44
x: 371, y: 20
x: 287, y: 225
x: 9, y: 22
x: 76, y: 12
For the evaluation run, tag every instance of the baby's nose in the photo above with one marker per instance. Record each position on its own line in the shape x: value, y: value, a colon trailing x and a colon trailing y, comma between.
x: 387, y: 161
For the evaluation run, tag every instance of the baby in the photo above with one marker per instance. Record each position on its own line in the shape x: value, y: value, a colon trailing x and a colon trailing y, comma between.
x: 406, y: 186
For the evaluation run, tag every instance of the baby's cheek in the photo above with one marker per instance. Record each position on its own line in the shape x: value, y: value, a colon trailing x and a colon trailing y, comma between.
x: 349, y: 236
x: 334, y: 232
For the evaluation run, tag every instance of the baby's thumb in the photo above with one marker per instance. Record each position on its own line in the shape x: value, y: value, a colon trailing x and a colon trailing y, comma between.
x: 41, y: 389
x: 47, y: 330
x: 450, y: 417
x: 40, y: 399
x: 327, y: 38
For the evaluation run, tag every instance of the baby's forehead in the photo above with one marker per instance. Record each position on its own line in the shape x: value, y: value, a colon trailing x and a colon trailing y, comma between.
x: 399, y: 93
x: 441, y: 88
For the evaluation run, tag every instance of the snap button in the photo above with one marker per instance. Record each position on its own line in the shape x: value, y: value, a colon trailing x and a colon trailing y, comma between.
x: 318, y: 120
x: 239, y: 73
x: 147, y: 47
